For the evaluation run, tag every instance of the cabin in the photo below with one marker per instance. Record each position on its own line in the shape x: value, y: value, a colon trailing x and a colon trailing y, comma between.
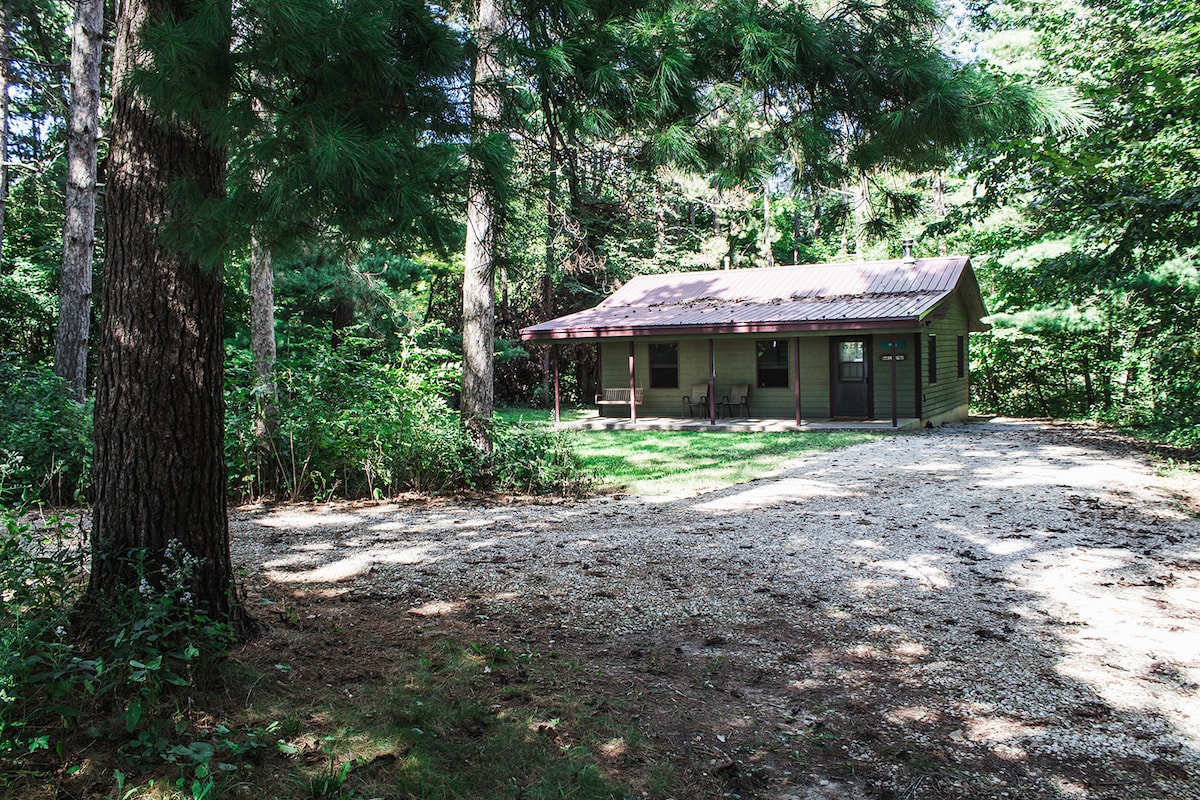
x: 859, y: 341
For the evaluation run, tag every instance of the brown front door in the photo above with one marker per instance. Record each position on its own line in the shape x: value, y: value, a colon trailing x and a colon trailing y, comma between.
x: 850, y: 377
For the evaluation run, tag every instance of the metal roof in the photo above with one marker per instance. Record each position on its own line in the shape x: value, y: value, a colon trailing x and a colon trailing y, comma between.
x: 812, y: 297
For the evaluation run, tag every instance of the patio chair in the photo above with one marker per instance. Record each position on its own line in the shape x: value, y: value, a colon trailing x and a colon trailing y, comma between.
x: 738, y: 398
x: 696, y: 399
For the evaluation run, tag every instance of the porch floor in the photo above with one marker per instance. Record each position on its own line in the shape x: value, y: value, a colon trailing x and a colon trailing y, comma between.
x: 740, y: 424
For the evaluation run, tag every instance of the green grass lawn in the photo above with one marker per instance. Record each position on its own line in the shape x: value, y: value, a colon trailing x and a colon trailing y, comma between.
x: 681, y: 462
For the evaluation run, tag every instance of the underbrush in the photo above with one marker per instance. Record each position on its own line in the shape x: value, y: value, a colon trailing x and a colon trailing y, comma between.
x: 363, y: 421
x: 45, y: 437
x: 155, y: 707
x: 126, y: 688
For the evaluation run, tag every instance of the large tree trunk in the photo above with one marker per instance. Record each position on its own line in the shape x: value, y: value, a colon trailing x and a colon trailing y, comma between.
x: 79, y: 227
x: 159, y: 471
x: 479, y: 285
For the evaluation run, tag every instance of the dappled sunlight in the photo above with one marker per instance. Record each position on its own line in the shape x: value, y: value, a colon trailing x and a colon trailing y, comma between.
x: 771, y: 493
x: 345, y: 568
x: 1131, y: 628
x: 436, y: 608
x: 1011, y: 604
x: 307, y: 518
x: 920, y: 568
x: 934, y: 466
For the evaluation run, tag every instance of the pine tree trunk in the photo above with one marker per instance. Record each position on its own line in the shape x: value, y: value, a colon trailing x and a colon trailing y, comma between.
x: 262, y: 333
x: 479, y: 276
x: 768, y: 253
x: 159, y: 471
x: 79, y: 227
x: 548, y: 264
x: 262, y: 350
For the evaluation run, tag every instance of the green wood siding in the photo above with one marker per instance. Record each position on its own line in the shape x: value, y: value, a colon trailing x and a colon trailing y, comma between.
x: 950, y: 392
x: 906, y: 374
x: 735, y: 363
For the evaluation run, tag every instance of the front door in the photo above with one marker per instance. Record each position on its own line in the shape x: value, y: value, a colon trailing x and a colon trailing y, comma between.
x: 850, y: 377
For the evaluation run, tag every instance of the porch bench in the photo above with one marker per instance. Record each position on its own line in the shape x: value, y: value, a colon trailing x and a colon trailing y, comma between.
x: 614, y: 397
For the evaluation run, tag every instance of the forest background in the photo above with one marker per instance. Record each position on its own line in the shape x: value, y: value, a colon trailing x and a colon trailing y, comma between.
x: 1056, y: 144
x: 306, y: 234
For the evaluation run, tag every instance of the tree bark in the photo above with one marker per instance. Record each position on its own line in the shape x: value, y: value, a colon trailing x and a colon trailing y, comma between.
x: 79, y: 227
x: 768, y: 254
x: 159, y: 470
x: 262, y: 333
x: 479, y: 284
x: 262, y: 350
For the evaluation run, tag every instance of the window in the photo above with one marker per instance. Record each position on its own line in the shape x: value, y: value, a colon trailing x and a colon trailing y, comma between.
x: 772, y: 362
x: 933, y: 359
x: 664, y: 366
x: 852, y: 362
x: 962, y: 356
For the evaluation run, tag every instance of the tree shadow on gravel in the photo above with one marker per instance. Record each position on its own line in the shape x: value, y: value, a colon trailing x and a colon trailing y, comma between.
x: 977, y: 611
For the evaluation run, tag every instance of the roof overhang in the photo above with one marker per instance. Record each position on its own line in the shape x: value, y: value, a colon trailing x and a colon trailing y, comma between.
x: 533, y: 334
x: 895, y: 295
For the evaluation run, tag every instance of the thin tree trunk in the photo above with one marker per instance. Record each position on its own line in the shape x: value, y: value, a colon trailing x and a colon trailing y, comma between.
x: 548, y: 264
x: 79, y: 227
x: 159, y: 471
x: 767, y: 252
x: 5, y: 67
x: 262, y: 334
x: 262, y: 350
x: 479, y: 275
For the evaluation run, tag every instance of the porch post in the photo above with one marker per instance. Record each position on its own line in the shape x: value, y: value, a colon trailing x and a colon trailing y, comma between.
x: 895, y: 420
x: 796, y: 379
x: 557, y: 391
x: 632, y: 387
x: 712, y: 383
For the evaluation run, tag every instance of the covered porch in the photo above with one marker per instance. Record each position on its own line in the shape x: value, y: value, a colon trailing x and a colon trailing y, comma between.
x: 813, y: 347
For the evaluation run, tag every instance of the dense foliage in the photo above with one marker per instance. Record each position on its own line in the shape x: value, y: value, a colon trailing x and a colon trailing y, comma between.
x: 1088, y: 243
x: 45, y: 437
x: 366, y: 420
x: 727, y: 132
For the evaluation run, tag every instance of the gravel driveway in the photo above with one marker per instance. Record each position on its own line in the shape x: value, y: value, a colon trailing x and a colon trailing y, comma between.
x: 1020, y: 599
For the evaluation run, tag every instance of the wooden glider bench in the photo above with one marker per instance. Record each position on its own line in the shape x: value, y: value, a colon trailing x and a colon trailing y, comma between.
x: 618, y: 397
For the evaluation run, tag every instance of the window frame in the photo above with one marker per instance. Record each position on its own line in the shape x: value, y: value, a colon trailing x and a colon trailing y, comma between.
x: 778, y: 370
x: 932, y: 352
x: 663, y: 375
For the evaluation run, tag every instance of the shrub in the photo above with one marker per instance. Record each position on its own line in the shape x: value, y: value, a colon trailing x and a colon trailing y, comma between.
x: 41, y: 675
x: 361, y: 420
x: 45, y: 437
x: 153, y: 644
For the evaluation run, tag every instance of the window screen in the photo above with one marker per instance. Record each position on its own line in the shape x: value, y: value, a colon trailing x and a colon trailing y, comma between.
x: 962, y: 356
x: 933, y: 359
x: 772, y: 362
x: 664, y: 365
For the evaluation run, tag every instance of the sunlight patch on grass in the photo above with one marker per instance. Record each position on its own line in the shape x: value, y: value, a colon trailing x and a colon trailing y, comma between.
x: 675, y: 463
x: 685, y: 462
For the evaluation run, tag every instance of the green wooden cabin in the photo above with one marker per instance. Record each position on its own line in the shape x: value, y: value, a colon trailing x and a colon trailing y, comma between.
x: 869, y: 341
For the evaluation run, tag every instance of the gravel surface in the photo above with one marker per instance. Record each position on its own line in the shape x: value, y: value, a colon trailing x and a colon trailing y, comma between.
x: 1002, y: 593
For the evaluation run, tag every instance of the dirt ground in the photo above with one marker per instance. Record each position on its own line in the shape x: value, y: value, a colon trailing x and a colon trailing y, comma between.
x: 998, y: 609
